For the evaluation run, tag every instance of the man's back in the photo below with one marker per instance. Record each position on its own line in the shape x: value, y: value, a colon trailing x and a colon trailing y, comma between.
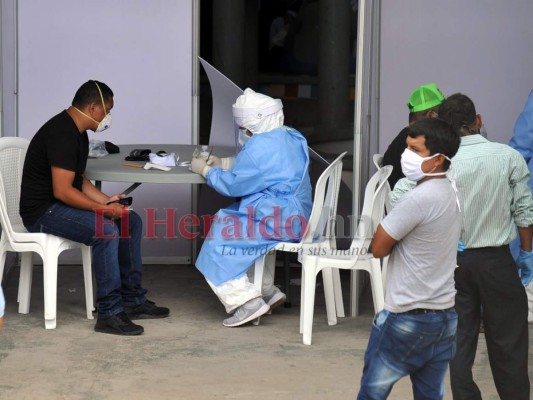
x: 58, y: 143
x: 492, y: 178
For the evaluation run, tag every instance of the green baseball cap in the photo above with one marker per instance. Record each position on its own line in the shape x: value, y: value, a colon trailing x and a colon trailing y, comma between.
x: 425, y: 97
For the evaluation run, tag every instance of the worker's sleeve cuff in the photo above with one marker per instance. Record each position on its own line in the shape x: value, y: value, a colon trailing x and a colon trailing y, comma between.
x: 205, y: 171
x: 227, y: 162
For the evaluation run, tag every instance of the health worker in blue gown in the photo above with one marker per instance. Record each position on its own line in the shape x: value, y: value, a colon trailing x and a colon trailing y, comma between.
x: 522, y: 141
x: 270, y: 176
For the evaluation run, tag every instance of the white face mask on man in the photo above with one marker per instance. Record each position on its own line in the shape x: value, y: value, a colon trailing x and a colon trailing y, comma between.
x: 412, y: 165
x: 104, y: 124
x: 106, y: 121
x: 412, y: 169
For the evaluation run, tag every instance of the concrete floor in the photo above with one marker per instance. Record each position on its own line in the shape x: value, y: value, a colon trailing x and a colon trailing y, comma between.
x: 189, y: 355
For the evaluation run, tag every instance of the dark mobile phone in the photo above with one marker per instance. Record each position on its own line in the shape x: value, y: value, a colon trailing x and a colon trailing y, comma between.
x: 126, y: 201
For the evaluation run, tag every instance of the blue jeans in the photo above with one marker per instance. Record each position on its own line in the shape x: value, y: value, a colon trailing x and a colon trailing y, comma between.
x: 116, y: 260
x: 418, y: 345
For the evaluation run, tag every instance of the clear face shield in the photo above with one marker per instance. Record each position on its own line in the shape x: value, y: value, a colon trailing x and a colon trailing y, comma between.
x: 249, y: 121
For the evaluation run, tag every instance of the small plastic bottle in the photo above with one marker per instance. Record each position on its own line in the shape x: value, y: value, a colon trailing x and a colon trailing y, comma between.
x: 205, y: 151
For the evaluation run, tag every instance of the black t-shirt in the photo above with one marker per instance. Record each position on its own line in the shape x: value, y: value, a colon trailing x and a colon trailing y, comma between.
x: 58, y: 143
x: 393, y: 156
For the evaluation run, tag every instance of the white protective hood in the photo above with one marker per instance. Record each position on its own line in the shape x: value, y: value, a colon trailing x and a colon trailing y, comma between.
x: 257, y: 112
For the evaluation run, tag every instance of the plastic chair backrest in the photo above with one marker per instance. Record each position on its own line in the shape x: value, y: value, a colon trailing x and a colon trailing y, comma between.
x: 378, y: 160
x: 373, y: 203
x: 12, y: 154
x: 321, y: 224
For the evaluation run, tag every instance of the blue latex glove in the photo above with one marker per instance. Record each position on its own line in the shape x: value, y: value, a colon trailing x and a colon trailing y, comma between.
x: 460, y: 246
x: 525, y: 266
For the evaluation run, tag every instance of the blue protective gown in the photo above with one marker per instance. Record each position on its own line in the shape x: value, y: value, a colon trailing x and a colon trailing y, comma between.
x: 522, y: 139
x: 271, y: 176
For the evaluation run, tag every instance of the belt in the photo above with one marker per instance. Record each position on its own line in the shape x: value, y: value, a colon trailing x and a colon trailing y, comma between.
x: 426, y: 311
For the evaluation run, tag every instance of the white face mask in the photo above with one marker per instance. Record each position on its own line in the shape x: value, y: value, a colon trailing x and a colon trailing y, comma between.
x: 412, y: 165
x: 243, y: 136
x: 104, y: 124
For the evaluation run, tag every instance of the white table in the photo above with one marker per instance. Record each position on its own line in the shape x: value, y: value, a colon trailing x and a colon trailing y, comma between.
x: 110, y: 168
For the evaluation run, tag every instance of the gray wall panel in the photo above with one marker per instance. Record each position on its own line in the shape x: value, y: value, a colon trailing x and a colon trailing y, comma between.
x: 143, y: 50
x: 481, y: 48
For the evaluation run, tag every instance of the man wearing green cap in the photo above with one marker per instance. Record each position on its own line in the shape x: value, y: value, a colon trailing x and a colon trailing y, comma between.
x: 423, y: 103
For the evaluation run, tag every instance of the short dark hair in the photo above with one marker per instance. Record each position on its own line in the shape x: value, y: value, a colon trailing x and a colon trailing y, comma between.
x: 88, y: 93
x: 440, y: 137
x: 417, y: 116
x: 459, y: 111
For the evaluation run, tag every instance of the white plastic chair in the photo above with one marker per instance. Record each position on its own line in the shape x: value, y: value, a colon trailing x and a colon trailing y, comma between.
x: 17, y: 239
x: 357, y: 257
x: 378, y: 162
x: 320, y: 228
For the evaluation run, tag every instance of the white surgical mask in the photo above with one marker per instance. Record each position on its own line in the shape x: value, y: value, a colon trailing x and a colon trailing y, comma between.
x: 412, y: 169
x: 412, y: 165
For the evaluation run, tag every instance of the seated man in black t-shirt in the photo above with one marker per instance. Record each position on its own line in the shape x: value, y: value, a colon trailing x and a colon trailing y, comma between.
x: 56, y: 198
x: 423, y: 103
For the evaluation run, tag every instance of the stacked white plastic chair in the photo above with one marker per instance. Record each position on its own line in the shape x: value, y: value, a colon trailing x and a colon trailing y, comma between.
x: 378, y: 162
x: 320, y: 228
x: 16, y: 238
x: 357, y: 257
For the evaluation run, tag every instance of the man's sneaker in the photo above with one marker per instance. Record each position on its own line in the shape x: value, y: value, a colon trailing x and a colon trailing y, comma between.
x: 118, y: 324
x: 275, y: 299
x: 146, y: 310
x: 249, y: 311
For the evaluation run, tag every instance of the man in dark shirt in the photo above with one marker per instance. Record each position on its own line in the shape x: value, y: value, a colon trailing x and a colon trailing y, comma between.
x: 423, y: 103
x: 56, y: 198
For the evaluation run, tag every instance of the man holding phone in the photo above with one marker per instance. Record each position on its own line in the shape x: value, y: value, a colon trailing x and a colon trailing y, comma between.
x: 56, y: 198
x: 125, y: 201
